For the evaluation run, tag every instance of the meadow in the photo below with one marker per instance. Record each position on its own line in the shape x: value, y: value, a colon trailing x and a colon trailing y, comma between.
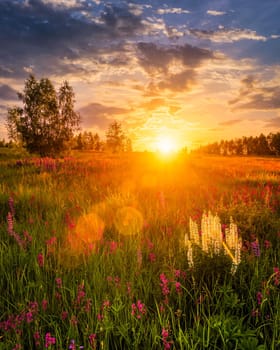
x: 139, y: 251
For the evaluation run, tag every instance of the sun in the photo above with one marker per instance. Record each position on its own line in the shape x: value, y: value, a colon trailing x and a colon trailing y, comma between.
x: 165, y: 145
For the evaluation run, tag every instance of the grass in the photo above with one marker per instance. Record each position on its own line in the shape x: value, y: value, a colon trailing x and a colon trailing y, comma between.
x: 93, y: 253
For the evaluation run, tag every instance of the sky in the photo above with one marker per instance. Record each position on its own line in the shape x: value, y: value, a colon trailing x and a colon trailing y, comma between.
x: 196, y: 71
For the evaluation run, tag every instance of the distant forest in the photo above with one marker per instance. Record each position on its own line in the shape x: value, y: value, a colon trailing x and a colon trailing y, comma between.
x: 258, y: 146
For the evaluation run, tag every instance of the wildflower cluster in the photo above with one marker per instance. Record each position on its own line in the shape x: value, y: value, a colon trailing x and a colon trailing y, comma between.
x: 21, y: 241
x: 211, y: 239
x: 138, y: 309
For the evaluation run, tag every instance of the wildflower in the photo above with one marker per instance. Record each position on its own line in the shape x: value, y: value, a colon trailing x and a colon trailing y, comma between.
x: 100, y: 317
x: 87, y: 305
x: 29, y: 317
x: 138, y: 309
x: 152, y: 257
x: 11, y: 231
x: 92, y: 340
x: 106, y: 304
x: 72, y: 345
x: 178, y: 287
x: 259, y: 298
x: 40, y: 259
x: 165, y: 335
x: 44, y: 304
x: 51, y: 241
x: 17, y: 347
x: 267, y: 244
x: 64, y: 315
x: 58, y: 296
x: 58, y: 282
x: 11, y: 206
x: 27, y: 236
x: 37, y: 338
x: 81, y: 294
x: 113, y: 246
x: 49, y: 340
x: 256, y: 248
x: 164, y: 285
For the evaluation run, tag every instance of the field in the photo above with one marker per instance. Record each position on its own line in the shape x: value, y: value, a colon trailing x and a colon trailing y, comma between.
x: 139, y: 251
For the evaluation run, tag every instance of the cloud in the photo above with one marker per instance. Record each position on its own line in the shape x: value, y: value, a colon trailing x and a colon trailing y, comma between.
x: 153, y: 103
x: 7, y: 93
x: 230, y: 122
x: 99, y: 115
x: 172, y: 10
x: 273, y: 123
x: 215, y: 13
x: 227, y: 35
x: 256, y: 95
x: 51, y: 35
x: 153, y: 57
x: 178, y: 82
x: 171, y: 67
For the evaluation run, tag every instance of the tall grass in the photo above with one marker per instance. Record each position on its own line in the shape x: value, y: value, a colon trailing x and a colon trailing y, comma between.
x: 93, y: 253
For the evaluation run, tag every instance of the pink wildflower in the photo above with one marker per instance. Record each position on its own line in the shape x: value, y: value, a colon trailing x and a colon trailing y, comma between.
x: 152, y: 257
x: 267, y: 244
x: 27, y: 236
x: 49, y: 340
x: 164, y: 286
x: 259, y: 298
x: 256, y: 248
x: 81, y: 294
x: 58, y: 282
x: 29, y: 317
x: 44, y: 304
x: 165, y: 335
x: 92, y: 340
x: 17, y: 347
x: 37, y: 338
x: 40, y: 259
x: 178, y: 287
x: 11, y: 206
x: 64, y: 315
x: 138, y: 309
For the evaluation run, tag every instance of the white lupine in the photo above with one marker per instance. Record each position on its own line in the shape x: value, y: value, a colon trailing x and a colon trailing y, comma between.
x: 212, y: 239
x: 190, y: 253
x: 194, y: 233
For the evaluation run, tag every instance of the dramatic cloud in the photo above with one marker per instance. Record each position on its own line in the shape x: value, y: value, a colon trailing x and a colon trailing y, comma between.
x: 47, y: 37
x: 211, y: 63
x: 98, y: 115
x: 153, y: 57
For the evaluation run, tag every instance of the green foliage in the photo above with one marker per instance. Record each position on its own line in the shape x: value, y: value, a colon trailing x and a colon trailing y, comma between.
x: 133, y: 292
x: 47, y: 119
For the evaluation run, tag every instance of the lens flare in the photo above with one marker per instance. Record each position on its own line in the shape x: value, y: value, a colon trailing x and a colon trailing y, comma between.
x: 128, y: 221
x: 88, y: 231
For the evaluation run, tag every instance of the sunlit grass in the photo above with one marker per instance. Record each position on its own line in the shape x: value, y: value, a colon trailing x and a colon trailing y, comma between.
x: 103, y: 261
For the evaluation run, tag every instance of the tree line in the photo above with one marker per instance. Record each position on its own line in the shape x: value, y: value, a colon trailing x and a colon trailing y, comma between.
x: 47, y: 123
x: 256, y: 146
